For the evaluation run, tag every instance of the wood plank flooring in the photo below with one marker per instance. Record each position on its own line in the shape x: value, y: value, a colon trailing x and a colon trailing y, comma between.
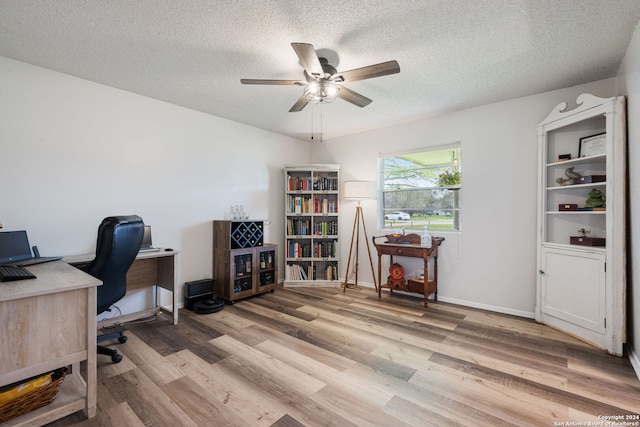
x: 318, y: 357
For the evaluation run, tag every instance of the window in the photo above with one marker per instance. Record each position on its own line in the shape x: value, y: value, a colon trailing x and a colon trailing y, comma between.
x: 421, y: 188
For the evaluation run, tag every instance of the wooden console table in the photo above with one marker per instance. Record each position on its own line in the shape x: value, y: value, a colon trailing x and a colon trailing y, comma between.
x: 409, y: 246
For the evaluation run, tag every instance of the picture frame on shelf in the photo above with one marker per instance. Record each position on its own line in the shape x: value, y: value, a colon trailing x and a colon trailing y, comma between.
x: 594, y: 145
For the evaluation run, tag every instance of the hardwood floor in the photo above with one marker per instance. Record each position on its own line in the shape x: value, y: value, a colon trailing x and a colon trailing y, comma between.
x: 318, y: 357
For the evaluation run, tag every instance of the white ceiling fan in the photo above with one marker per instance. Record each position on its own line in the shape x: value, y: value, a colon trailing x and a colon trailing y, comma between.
x: 323, y: 83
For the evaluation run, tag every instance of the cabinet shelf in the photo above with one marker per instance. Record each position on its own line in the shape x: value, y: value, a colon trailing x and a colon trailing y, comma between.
x: 577, y: 186
x: 579, y: 161
x: 576, y: 212
x: 580, y: 248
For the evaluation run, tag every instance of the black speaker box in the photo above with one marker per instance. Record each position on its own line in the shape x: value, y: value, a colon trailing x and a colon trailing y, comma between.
x: 199, y: 290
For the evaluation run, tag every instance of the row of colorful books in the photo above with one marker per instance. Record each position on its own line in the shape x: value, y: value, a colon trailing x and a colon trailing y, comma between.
x: 301, y: 204
x: 317, y: 250
x: 319, y: 183
x: 304, y: 227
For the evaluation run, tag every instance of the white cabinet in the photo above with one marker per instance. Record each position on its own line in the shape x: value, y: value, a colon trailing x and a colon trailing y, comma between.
x: 573, y: 296
x: 311, y: 225
x: 581, y: 284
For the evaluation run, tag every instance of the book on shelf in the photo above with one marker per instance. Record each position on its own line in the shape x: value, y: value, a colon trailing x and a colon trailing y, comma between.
x: 325, y: 206
x: 297, y: 183
x: 298, y: 227
x: 298, y: 250
x: 300, y: 272
x: 332, y: 272
x: 296, y: 272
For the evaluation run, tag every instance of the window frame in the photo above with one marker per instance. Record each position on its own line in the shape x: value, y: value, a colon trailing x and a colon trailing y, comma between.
x: 454, y: 164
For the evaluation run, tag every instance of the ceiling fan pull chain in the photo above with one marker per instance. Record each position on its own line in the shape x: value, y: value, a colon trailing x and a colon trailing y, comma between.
x: 321, y: 117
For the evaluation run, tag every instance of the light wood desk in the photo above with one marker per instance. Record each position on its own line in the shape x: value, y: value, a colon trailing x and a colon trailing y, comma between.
x: 157, y: 269
x: 47, y: 323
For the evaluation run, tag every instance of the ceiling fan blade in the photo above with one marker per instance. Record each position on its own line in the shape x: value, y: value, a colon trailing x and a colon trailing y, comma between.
x: 369, y: 72
x: 353, y: 97
x: 271, y: 82
x: 299, y: 105
x: 309, y: 59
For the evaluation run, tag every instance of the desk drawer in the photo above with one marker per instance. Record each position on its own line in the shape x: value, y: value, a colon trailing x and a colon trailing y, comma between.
x: 409, y: 252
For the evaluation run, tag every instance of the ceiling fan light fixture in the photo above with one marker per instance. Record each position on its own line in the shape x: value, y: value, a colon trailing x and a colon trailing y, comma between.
x: 321, y: 92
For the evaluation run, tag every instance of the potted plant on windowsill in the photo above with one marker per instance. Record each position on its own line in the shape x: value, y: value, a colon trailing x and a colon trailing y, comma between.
x: 449, y: 178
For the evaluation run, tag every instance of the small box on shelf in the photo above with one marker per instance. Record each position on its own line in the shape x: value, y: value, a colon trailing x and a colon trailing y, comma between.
x: 587, y: 241
x: 568, y: 207
x: 417, y: 285
x: 590, y: 179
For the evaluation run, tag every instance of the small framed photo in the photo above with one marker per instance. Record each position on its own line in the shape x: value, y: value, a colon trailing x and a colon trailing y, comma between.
x: 594, y: 145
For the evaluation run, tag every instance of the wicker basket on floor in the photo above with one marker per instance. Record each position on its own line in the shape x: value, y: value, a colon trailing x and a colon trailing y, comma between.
x: 35, y: 399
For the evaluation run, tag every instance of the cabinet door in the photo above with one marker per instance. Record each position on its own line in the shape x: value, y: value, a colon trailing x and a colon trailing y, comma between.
x: 242, y: 267
x: 266, y: 268
x: 572, y: 284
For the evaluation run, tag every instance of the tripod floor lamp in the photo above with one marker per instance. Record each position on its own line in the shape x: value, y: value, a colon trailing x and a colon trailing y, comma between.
x: 358, y: 190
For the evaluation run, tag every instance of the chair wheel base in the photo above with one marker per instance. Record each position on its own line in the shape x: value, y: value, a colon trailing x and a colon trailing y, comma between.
x: 115, y: 356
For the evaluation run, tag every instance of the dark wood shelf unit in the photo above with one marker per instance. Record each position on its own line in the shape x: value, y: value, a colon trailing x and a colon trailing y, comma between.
x: 242, y: 272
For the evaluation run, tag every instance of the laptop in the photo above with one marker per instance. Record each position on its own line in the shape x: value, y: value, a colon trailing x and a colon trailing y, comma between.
x: 147, y: 245
x: 15, y: 249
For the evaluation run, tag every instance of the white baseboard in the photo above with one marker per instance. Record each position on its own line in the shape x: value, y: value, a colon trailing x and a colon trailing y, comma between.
x: 497, y: 309
x: 494, y: 308
x: 634, y: 358
x: 311, y: 284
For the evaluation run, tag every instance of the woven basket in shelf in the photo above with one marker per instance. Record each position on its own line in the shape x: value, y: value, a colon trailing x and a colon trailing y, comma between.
x: 34, y: 400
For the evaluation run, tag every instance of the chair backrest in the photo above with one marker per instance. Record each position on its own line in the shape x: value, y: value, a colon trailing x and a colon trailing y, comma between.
x: 119, y: 240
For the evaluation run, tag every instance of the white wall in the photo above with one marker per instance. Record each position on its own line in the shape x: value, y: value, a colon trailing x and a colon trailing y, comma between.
x: 73, y: 152
x: 629, y: 76
x: 492, y: 262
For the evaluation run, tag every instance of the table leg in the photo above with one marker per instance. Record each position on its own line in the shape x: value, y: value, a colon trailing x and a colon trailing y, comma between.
x: 425, y: 281
x: 435, y: 277
x: 379, y: 275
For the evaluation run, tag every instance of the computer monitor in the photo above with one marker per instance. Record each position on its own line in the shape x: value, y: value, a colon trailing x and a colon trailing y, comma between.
x: 147, y: 243
x: 146, y: 239
x: 14, y: 246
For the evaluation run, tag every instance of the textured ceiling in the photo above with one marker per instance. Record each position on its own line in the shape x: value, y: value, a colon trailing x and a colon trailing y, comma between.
x: 453, y: 54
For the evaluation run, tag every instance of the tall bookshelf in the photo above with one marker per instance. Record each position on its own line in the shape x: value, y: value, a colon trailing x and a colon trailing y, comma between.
x: 311, y: 225
x: 581, y: 285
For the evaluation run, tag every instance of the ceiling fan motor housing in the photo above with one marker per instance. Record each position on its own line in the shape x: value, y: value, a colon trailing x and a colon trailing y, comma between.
x: 328, y: 69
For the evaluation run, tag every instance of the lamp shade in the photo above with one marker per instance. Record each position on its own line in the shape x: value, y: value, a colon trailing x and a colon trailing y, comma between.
x: 359, y: 190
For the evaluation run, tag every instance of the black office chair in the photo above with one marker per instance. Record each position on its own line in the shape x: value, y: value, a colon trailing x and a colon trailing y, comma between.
x: 119, y: 240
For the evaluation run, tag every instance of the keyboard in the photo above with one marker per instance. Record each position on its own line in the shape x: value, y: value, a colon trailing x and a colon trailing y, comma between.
x: 10, y: 272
